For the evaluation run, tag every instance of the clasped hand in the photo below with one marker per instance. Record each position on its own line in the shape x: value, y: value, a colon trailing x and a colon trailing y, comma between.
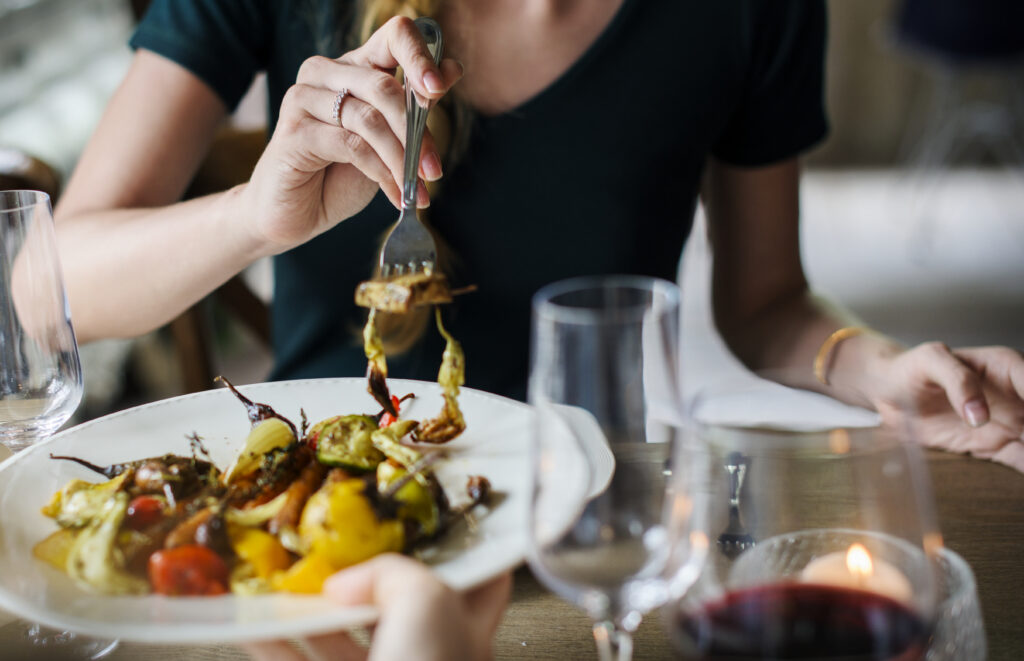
x: 961, y: 400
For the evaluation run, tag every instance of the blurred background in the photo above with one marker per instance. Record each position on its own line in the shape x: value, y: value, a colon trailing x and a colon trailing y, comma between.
x: 913, y: 208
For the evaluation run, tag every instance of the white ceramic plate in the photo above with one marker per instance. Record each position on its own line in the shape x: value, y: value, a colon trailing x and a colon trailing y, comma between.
x: 495, y: 444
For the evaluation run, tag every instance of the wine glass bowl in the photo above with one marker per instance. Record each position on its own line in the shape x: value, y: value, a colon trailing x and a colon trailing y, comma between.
x: 40, y: 372
x: 959, y: 633
x: 604, y: 386
x: 842, y: 559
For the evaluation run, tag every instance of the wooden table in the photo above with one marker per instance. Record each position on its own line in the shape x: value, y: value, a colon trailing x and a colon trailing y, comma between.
x: 981, y: 513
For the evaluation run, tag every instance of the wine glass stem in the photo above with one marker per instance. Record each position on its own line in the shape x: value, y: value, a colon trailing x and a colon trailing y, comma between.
x: 613, y: 642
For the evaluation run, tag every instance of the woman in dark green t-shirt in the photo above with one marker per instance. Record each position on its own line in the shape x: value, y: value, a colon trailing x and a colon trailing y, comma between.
x: 580, y: 133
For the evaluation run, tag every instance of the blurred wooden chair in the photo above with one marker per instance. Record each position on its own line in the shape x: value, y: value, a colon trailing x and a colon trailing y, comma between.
x: 229, y: 162
x: 20, y: 170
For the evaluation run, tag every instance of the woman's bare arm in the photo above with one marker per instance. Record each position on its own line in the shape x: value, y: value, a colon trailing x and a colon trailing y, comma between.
x: 762, y: 304
x: 965, y: 400
x: 132, y: 258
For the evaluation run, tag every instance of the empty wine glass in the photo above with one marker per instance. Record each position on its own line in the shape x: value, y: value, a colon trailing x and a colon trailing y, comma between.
x: 842, y: 545
x: 40, y: 372
x: 604, y: 384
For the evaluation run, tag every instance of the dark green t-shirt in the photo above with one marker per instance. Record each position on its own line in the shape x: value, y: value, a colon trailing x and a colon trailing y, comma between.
x: 598, y: 173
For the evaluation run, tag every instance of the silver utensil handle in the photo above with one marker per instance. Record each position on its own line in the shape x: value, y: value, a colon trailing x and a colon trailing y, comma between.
x: 416, y: 115
x: 736, y: 466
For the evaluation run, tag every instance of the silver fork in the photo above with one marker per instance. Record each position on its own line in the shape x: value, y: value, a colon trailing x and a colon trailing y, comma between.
x: 409, y: 248
x: 735, y: 539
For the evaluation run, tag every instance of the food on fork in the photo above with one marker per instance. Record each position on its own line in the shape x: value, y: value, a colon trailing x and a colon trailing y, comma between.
x: 400, y: 294
x: 377, y: 365
x: 297, y: 504
x: 449, y: 423
x: 451, y: 376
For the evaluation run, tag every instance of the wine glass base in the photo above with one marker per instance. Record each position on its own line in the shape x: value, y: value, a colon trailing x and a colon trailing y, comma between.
x: 26, y: 435
x: 23, y: 640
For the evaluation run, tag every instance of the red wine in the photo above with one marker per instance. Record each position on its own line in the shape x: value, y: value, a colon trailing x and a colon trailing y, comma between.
x: 802, y: 621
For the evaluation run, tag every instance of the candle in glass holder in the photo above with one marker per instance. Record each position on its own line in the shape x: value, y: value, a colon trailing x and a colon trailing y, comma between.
x: 856, y: 569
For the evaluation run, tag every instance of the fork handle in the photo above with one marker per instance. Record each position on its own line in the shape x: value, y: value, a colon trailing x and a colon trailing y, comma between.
x: 416, y: 115
x: 736, y: 466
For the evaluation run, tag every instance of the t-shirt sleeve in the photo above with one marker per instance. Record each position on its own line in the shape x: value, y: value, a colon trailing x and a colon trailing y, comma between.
x: 223, y: 42
x: 781, y: 108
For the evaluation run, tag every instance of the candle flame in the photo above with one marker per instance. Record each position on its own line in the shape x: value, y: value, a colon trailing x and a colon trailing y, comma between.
x: 858, y: 561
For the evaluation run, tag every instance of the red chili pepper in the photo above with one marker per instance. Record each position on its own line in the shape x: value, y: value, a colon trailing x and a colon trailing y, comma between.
x: 192, y: 569
x: 143, y: 512
x: 387, y: 418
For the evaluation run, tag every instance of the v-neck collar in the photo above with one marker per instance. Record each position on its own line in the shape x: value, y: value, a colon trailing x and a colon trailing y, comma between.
x: 607, y: 36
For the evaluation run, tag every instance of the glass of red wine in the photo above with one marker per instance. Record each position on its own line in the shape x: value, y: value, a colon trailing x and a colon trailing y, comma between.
x: 820, y: 528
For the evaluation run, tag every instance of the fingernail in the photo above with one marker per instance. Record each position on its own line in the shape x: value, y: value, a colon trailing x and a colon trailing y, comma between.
x: 431, y: 165
x: 976, y: 413
x: 433, y: 82
x: 422, y: 196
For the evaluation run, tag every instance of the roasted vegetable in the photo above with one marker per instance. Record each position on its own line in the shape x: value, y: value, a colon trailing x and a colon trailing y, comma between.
x: 144, y: 511
x: 450, y: 377
x: 93, y: 558
x: 260, y: 550
x: 386, y: 418
x: 376, y: 365
x: 388, y: 440
x: 184, y: 533
x: 343, y: 525
x: 256, y: 411
x: 415, y: 502
x: 266, y: 436
x: 402, y: 293
x: 345, y: 441
x: 55, y: 548
x: 256, y: 515
x: 296, y: 497
x: 188, y: 570
x: 171, y: 475
x: 280, y: 467
x: 305, y: 576
x: 79, y: 502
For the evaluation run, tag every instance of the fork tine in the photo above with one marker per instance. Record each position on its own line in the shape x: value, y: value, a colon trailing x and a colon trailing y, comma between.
x: 394, y: 270
x: 410, y: 248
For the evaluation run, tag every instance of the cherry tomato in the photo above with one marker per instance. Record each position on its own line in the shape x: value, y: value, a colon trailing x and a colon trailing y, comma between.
x: 387, y: 418
x: 192, y: 569
x: 143, y: 512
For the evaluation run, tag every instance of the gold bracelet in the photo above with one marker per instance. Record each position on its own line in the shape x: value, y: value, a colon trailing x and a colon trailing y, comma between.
x: 829, y: 345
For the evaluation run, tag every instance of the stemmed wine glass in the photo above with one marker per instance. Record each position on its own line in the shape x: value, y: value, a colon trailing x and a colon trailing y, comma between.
x: 604, y: 384
x: 40, y: 372
x: 835, y: 511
